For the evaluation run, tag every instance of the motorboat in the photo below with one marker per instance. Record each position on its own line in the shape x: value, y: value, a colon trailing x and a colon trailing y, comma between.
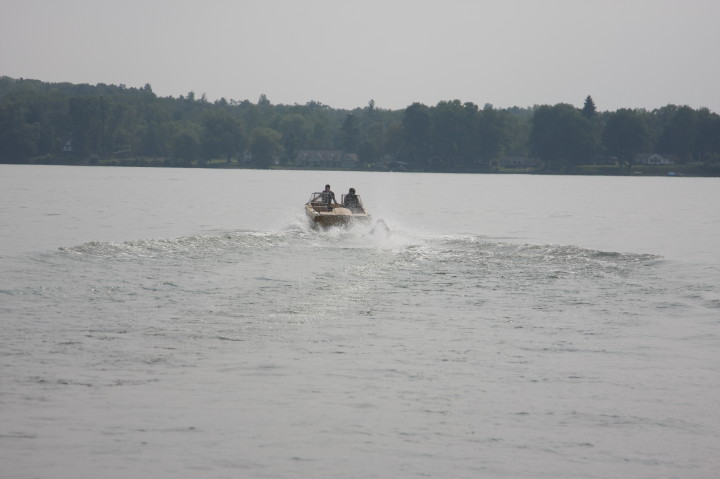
x: 322, y: 214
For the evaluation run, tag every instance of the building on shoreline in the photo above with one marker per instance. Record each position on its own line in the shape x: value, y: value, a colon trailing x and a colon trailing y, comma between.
x: 325, y: 159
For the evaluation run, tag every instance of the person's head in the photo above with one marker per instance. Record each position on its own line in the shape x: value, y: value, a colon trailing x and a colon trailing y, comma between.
x: 352, y: 190
x: 327, y: 187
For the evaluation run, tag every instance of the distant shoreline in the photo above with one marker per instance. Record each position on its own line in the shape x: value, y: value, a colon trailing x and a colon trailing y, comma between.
x: 692, y: 170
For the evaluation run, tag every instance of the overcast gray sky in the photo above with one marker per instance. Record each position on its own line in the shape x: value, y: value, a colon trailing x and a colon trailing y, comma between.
x: 343, y: 53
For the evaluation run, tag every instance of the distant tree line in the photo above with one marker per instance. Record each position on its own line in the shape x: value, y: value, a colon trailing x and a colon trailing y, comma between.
x: 63, y: 123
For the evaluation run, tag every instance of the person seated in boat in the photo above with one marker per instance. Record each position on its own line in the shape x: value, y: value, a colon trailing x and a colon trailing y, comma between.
x: 352, y: 202
x: 327, y: 196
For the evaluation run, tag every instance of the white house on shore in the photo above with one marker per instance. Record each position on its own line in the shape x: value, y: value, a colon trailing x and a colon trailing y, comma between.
x: 655, y: 159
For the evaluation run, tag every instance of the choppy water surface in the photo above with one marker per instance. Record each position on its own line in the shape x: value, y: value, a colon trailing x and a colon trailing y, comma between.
x: 279, y: 351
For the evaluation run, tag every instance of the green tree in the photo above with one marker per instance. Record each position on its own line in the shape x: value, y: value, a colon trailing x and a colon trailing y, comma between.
x: 89, y: 120
x: 516, y: 128
x: 265, y: 146
x: 625, y: 134
x: 561, y: 136
x: 186, y: 147
x: 19, y: 136
x: 350, y: 134
x: 371, y: 147
x: 680, y: 134
x: 452, y: 124
x: 492, y: 132
x: 589, y: 110
x: 154, y: 139
x: 708, y: 136
x: 414, y: 144
x: 221, y: 136
x: 295, y: 130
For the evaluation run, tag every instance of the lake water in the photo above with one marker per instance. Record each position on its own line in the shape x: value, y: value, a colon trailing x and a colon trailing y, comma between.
x: 187, y: 323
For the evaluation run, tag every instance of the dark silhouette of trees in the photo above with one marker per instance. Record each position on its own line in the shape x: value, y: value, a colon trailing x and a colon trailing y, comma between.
x: 625, y: 135
x: 112, y: 124
x: 708, y: 137
x: 222, y: 136
x: 561, y: 136
x: 680, y: 134
x: 350, y: 133
x: 186, y: 147
x: 414, y: 142
x: 265, y: 146
x: 589, y: 110
x: 295, y: 130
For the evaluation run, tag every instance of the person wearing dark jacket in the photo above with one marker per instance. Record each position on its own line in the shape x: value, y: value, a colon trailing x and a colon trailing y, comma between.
x: 352, y: 202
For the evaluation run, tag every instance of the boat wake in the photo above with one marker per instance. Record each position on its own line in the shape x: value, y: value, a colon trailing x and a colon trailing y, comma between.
x: 297, y: 238
x: 380, y: 229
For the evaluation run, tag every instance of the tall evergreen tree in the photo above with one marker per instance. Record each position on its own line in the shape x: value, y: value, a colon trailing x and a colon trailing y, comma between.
x: 589, y: 110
